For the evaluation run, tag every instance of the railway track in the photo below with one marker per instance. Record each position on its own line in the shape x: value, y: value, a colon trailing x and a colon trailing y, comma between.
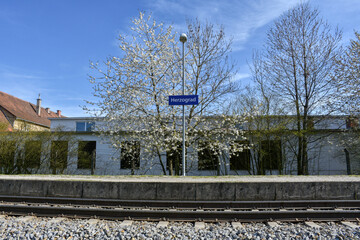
x: 207, y: 211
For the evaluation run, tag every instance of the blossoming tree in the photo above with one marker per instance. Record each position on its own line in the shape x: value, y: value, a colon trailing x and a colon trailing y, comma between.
x: 132, y: 93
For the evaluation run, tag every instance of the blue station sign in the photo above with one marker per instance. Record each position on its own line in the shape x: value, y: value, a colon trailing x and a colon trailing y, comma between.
x: 184, y: 100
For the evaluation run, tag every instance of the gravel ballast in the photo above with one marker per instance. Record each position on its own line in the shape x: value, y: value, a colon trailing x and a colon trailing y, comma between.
x: 64, y: 228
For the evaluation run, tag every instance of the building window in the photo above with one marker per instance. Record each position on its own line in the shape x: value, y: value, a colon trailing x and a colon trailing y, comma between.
x: 130, y: 155
x: 32, y: 154
x: 7, y: 156
x: 240, y: 160
x: 174, y: 158
x: 59, y: 154
x: 271, y: 154
x: 86, y: 155
x: 207, y: 159
x: 85, y: 126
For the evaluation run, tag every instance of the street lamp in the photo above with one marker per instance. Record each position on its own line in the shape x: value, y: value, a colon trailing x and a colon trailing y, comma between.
x: 183, y: 39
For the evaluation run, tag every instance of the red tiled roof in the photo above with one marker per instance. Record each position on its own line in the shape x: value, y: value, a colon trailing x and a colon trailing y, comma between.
x: 25, y: 110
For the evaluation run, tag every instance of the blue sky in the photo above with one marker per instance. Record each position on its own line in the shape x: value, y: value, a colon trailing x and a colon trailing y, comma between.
x: 46, y: 45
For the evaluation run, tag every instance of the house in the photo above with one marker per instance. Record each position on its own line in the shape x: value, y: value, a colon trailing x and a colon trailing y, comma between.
x: 19, y: 115
x: 24, y: 133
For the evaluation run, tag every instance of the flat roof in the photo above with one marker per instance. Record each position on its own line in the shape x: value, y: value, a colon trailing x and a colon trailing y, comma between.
x: 190, y: 179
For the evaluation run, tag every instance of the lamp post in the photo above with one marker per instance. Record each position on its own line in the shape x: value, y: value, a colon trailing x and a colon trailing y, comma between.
x: 183, y: 39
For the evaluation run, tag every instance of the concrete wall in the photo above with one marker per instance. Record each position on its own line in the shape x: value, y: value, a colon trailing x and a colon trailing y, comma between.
x: 229, y: 191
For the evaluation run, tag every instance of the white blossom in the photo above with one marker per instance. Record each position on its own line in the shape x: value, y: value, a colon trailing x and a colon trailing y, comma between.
x: 133, y: 89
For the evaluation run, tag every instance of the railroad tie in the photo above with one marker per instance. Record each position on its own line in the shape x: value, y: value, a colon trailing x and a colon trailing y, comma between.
x: 236, y: 225
x: 312, y: 225
x: 272, y: 224
x: 57, y: 220
x: 162, y: 224
x: 26, y: 218
x: 350, y: 224
x: 126, y: 223
x: 93, y: 221
x: 199, y: 225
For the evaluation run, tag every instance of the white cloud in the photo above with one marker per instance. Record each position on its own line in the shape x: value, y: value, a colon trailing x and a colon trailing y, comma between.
x: 20, y: 83
x: 13, y: 76
x: 240, y: 76
x: 344, y: 14
x: 13, y: 73
x: 240, y: 18
x: 27, y: 85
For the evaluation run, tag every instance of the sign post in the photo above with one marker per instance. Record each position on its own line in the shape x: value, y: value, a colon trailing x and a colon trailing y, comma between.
x: 183, y: 39
x: 183, y: 100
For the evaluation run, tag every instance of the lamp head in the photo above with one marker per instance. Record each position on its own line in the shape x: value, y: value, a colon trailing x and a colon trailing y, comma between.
x: 183, y: 38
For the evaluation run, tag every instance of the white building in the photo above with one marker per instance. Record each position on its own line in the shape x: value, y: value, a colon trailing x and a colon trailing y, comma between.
x: 326, y: 155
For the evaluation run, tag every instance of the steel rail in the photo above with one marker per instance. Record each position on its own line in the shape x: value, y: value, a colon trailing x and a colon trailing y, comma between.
x: 187, y: 204
x: 319, y: 210
x: 178, y: 215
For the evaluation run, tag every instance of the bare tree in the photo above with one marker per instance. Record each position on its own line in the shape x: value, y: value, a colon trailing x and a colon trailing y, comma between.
x: 347, y: 78
x: 347, y: 82
x: 266, y: 127
x: 299, y: 59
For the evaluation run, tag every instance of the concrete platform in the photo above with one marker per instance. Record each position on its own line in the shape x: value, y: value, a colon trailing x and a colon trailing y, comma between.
x: 228, y: 188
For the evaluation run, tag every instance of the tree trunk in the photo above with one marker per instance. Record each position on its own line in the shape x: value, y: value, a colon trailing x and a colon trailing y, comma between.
x: 348, y: 166
x: 161, y: 163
